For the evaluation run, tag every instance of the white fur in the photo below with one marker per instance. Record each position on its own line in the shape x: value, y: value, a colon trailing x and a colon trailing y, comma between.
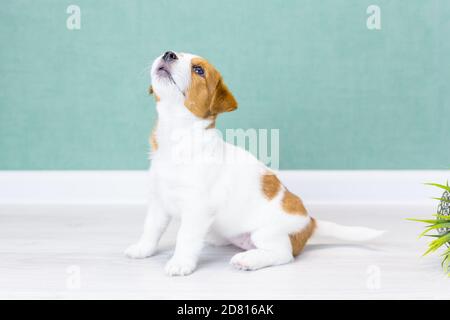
x: 213, y: 186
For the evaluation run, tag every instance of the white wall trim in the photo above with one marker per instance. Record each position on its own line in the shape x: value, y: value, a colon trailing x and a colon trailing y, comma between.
x: 129, y: 187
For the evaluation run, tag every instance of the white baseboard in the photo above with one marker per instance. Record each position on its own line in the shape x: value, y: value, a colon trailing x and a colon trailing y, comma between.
x: 129, y: 187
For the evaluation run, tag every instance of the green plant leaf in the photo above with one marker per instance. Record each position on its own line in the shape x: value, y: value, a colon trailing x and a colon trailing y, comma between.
x: 424, y: 220
x: 429, y: 250
x: 435, y: 226
x: 436, y: 244
x: 446, y: 252
x: 442, y: 199
x: 441, y: 217
x: 446, y: 261
x: 439, y: 186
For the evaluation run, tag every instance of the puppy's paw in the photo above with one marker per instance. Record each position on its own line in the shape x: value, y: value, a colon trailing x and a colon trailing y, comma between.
x: 140, y: 250
x: 180, y: 267
x: 250, y: 260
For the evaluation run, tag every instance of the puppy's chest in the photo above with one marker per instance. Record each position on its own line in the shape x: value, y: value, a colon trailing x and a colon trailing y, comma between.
x: 175, y: 178
x: 178, y: 186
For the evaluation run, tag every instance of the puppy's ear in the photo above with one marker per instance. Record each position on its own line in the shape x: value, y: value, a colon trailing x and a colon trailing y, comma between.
x: 151, y: 92
x: 222, y: 100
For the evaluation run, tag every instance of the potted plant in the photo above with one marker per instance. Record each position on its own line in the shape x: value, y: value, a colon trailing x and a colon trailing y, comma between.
x: 439, y: 227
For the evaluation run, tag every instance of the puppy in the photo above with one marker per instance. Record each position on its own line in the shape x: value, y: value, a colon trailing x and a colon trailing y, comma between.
x: 222, y: 193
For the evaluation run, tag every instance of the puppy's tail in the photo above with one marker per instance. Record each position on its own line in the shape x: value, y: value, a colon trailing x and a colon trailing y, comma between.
x: 334, y: 230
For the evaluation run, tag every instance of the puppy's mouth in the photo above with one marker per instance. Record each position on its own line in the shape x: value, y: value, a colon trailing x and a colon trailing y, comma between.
x: 163, y: 72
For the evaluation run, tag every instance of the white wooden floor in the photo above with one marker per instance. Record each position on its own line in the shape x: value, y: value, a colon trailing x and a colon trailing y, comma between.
x: 42, y: 248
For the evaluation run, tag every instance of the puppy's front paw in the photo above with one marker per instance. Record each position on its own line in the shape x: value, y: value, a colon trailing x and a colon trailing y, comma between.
x: 140, y: 250
x: 180, y: 267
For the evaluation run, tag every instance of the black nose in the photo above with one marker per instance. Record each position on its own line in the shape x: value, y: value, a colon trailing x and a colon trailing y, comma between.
x: 169, y: 56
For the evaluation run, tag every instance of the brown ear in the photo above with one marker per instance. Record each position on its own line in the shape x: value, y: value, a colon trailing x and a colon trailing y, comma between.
x: 222, y: 100
x: 151, y: 92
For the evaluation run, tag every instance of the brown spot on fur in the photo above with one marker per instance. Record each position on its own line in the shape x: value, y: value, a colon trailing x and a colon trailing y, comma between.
x: 151, y: 92
x: 208, y: 95
x: 270, y: 185
x: 299, y: 239
x: 292, y: 204
x: 153, y: 140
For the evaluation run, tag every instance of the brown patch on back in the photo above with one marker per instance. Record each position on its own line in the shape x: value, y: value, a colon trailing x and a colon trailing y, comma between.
x: 208, y: 95
x: 299, y: 239
x: 292, y: 204
x: 270, y: 185
x: 153, y: 140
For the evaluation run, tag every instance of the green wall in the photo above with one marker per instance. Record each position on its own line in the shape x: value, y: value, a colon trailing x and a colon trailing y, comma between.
x: 342, y: 96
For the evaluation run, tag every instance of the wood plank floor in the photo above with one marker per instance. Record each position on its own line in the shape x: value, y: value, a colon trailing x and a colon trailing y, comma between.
x: 43, y: 249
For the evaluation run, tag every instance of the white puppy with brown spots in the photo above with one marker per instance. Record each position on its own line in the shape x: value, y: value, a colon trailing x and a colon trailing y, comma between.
x: 221, y: 192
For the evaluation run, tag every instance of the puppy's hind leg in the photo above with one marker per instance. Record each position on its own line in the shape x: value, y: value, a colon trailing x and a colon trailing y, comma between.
x: 271, y: 249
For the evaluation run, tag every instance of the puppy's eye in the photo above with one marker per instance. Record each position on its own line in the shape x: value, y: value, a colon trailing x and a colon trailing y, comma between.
x: 198, y: 70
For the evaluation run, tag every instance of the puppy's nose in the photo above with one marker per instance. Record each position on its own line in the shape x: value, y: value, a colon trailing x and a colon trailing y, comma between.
x: 169, y: 56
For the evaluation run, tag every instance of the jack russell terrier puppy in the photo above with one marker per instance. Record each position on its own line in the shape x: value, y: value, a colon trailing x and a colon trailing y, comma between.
x: 221, y: 192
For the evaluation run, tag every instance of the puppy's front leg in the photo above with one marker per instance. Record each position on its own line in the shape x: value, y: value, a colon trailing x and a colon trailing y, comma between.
x: 190, y: 239
x: 155, y: 224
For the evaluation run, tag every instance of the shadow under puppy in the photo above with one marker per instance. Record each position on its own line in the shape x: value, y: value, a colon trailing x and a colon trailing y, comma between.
x: 221, y: 192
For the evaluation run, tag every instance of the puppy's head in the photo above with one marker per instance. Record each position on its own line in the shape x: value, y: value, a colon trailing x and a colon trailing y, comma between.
x: 186, y: 78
